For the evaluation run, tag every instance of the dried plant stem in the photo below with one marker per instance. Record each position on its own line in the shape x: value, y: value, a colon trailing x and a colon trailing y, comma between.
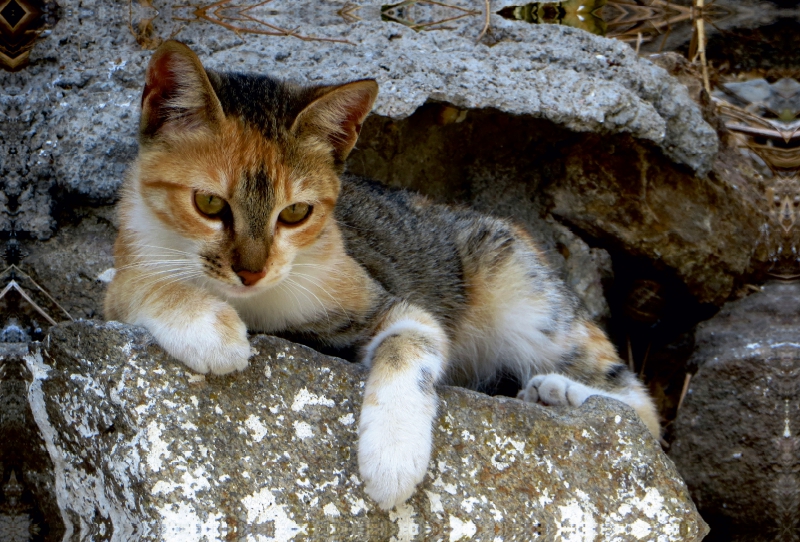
x: 630, y: 356
x: 701, y: 42
x: 685, y: 389
x: 487, y: 18
x: 644, y: 361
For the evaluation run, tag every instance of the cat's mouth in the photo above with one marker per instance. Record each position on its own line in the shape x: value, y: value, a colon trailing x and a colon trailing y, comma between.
x: 246, y: 290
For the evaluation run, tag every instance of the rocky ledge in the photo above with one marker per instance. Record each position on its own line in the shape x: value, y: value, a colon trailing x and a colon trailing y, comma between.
x: 144, y: 449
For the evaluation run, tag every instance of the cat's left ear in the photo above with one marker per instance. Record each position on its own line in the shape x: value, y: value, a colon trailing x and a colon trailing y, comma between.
x: 337, y: 115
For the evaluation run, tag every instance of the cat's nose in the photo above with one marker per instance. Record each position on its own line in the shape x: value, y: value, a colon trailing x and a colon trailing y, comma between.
x: 249, y: 278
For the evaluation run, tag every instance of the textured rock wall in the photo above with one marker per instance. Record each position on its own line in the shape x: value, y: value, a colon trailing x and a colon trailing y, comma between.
x: 736, y: 435
x: 148, y: 450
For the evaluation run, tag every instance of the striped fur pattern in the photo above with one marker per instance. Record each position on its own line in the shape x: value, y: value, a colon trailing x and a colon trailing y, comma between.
x: 427, y: 293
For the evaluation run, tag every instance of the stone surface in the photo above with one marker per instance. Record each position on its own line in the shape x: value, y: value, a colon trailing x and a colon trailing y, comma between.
x: 28, y: 506
x: 86, y: 75
x: 704, y: 229
x: 71, y: 265
x: 145, y: 450
x: 736, y: 437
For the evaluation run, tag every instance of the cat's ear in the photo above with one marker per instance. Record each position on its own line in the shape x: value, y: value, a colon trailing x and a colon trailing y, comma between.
x: 177, y: 93
x: 337, y: 115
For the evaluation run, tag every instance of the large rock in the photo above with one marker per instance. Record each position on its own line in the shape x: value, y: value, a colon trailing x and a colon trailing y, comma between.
x: 89, y: 82
x: 144, y: 449
x: 736, y: 437
x: 28, y: 507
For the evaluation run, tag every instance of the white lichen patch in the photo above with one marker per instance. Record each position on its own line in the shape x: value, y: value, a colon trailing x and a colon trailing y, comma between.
x: 303, y: 430
x: 435, y: 501
x: 180, y: 522
x: 407, y: 528
x: 107, y: 276
x: 262, y: 508
x: 460, y: 530
x: 576, y: 524
x: 304, y: 398
x: 469, y: 503
x: 641, y: 530
x: 347, y: 419
x: 330, y: 510
x: 257, y: 429
x: 158, y: 448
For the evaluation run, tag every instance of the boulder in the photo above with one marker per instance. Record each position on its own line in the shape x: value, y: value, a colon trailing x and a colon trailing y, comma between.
x: 736, y: 434
x: 89, y: 82
x: 28, y: 507
x: 144, y: 449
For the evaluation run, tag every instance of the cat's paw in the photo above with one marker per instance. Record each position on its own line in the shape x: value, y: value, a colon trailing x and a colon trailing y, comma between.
x: 555, y: 390
x: 394, y: 448
x: 213, y: 342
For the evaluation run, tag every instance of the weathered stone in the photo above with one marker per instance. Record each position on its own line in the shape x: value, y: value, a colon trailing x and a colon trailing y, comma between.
x: 736, y: 434
x: 28, y: 504
x: 89, y: 82
x: 706, y: 230
x: 144, y: 449
x: 71, y: 265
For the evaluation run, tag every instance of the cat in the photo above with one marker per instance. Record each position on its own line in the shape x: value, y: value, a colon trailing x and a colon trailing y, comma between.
x: 237, y: 215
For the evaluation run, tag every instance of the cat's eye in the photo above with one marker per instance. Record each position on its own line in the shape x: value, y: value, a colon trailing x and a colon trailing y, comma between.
x: 295, y: 213
x: 209, y: 204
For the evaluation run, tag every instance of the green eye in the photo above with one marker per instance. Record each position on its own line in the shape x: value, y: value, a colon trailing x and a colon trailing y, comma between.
x: 294, y: 213
x: 209, y: 204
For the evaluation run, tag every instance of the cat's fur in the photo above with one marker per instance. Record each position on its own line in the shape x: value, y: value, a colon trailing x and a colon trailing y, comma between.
x: 427, y: 292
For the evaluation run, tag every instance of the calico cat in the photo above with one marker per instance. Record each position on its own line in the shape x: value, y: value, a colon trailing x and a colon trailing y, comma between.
x: 237, y: 215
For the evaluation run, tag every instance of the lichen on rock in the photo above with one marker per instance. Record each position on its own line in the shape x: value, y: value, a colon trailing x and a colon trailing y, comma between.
x: 145, y: 449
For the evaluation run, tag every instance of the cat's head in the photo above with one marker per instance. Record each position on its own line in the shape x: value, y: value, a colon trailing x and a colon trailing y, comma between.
x: 240, y: 172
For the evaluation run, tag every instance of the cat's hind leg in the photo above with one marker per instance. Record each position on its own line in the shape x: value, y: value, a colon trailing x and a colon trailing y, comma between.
x: 521, y: 320
x: 591, y: 367
x: 406, y: 359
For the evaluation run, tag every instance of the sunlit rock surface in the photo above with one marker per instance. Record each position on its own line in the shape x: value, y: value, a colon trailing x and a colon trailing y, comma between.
x: 736, y: 435
x: 144, y: 449
x: 86, y: 77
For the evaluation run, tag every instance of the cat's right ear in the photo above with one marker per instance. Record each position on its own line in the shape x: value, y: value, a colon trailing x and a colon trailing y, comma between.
x: 178, y: 95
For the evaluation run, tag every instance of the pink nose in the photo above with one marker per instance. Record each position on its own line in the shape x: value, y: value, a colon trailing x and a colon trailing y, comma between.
x: 249, y: 278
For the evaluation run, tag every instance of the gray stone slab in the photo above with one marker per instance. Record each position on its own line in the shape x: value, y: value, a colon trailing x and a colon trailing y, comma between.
x: 144, y: 449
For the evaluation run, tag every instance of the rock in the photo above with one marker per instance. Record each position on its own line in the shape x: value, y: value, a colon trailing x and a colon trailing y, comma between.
x: 736, y: 434
x: 71, y: 265
x: 28, y: 504
x: 705, y: 230
x: 89, y: 82
x: 144, y: 449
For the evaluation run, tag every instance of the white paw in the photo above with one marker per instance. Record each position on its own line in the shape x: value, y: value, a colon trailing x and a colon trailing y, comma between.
x: 215, y: 342
x: 556, y: 390
x: 394, y: 446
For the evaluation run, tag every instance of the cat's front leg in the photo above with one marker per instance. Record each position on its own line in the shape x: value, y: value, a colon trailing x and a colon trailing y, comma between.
x: 406, y: 358
x: 202, y: 331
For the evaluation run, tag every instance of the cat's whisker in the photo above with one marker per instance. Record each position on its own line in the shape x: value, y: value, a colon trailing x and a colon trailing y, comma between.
x: 167, y: 249
x: 286, y: 287
x: 173, y: 271
x: 149, y: 264
x: 327, y: 315
x: 178, y: 278
x: 319, y: 285
x: 162, y: 272
x: 329, y: 270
